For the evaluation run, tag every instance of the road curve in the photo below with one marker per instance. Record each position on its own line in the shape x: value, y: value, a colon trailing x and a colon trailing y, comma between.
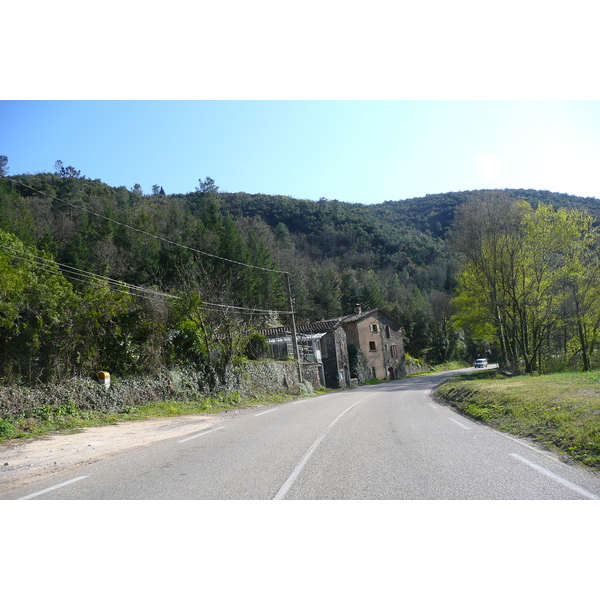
x: 386, y: 442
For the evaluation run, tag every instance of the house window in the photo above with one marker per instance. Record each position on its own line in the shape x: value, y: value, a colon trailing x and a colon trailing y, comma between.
x: 374, y: 328
x: 394, y: 350
x: 387, y: 332
x: 372, y: 347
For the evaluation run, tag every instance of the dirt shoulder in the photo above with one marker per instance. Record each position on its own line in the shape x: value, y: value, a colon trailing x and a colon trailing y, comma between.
x: 24, y: 461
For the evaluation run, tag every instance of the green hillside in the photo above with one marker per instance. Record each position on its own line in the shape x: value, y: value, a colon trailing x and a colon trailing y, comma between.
x: 397, y: 256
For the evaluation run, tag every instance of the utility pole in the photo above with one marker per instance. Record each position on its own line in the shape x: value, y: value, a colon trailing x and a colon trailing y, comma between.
x: 294, y: 339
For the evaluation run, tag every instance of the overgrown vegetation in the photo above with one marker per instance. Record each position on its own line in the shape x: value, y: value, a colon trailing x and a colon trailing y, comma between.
x: 161, y: 300
x: 561, y: 410
x: 68, y: 418
x: 530, y: 284
x: 29, y: 411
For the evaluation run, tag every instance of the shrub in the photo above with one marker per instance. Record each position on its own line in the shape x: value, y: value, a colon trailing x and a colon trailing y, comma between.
x: 6, y: 429
x: 257, y: 347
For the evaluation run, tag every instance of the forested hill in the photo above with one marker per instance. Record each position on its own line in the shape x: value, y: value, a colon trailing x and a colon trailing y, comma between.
x: 394, y: 255
x: 432, y: 214
x: 406, y: 237
x: 393, y: 234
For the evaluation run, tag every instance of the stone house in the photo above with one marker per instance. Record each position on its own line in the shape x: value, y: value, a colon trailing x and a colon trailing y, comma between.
x: 381, y: 343
x: 372, y: 337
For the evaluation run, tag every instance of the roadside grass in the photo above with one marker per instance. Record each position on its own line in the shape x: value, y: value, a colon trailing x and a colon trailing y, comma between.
x: 560, y: 411
x: 67, y: 419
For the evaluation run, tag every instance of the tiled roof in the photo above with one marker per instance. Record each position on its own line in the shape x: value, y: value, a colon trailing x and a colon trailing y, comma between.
x: 361, y: 315
x: 319, y: 326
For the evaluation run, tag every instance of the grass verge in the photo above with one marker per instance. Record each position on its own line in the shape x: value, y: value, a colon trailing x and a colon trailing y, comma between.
x: 67, y: 419
x: 561, y: 411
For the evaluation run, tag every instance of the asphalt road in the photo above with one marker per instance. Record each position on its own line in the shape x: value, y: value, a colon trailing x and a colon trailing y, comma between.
x: 389, y: 441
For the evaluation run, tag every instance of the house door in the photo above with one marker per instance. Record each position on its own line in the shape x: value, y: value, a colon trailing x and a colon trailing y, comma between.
x: 391, y: 373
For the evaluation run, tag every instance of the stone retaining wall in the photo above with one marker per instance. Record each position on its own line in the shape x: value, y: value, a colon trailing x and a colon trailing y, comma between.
x: 250, y: 378
x: 411, y: 369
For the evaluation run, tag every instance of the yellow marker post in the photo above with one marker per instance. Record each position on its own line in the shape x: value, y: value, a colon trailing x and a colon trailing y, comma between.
x: 104, y: 379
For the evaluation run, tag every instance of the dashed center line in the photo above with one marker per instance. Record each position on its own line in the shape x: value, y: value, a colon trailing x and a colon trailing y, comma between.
x: 54, y: 487
x: 281, y: 494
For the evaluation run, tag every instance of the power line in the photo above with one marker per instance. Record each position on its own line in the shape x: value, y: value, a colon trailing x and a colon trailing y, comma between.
x: 75, y: 274
x: 157, y: 237
x: 286, y: 274
x: 70, y: 271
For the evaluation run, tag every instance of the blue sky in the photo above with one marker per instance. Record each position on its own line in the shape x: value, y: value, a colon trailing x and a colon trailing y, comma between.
x: 388, y: 101
x: 353, y: 151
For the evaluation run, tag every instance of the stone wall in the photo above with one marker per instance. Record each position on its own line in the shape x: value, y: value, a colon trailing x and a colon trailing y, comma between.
x: 251, y: 378
x: 412, y: 368
x: 272, y: 377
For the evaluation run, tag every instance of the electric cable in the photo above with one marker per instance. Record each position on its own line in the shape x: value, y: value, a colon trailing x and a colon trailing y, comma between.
x: 131, y: 289
x: 157, y: 237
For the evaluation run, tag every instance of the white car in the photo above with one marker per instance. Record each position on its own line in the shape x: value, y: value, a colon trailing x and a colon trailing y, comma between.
x: 481, y: 362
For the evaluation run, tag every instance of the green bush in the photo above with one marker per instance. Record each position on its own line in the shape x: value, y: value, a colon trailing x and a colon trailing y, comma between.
x: 257, y: 347
x: 6, y: 429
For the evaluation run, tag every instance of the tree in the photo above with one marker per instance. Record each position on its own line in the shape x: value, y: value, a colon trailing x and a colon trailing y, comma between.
x: 15, y: 214
x: 98, y: 338
x: 371, y: 295
x: 414, y: 313
x: 512, y: 284
x: 3, y: 165
x: 208, y: 203
x: 211, y: 326
x: 65, y: 172
x: 582, y: 287
x: 488, y: 234
x: 137, y: 191
x: 445, y: 337
x: 350, y: 291
x: 207, y: 186
x: 324, y: 288
x: 36, y: 307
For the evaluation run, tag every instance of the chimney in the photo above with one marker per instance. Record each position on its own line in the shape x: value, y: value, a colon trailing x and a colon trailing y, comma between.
x: 357, y: 309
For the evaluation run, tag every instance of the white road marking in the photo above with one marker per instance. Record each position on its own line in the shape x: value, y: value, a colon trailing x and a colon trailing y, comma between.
x: 199, y: 434
x: 544, y: 453
x: 433, y: 405
x: 54, y: 487
x: 569, y: 484
x: 264, y: 412
x: 280, y: 495
x: 458, y: 423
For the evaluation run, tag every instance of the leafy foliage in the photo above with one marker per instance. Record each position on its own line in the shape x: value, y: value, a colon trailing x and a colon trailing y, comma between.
x: 399, y: 256
x: 525, y: 282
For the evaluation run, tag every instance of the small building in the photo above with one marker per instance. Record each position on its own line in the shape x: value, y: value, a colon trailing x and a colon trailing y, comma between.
x: 381, y: 343
x: 322, y: 343
x: 372, y: 336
